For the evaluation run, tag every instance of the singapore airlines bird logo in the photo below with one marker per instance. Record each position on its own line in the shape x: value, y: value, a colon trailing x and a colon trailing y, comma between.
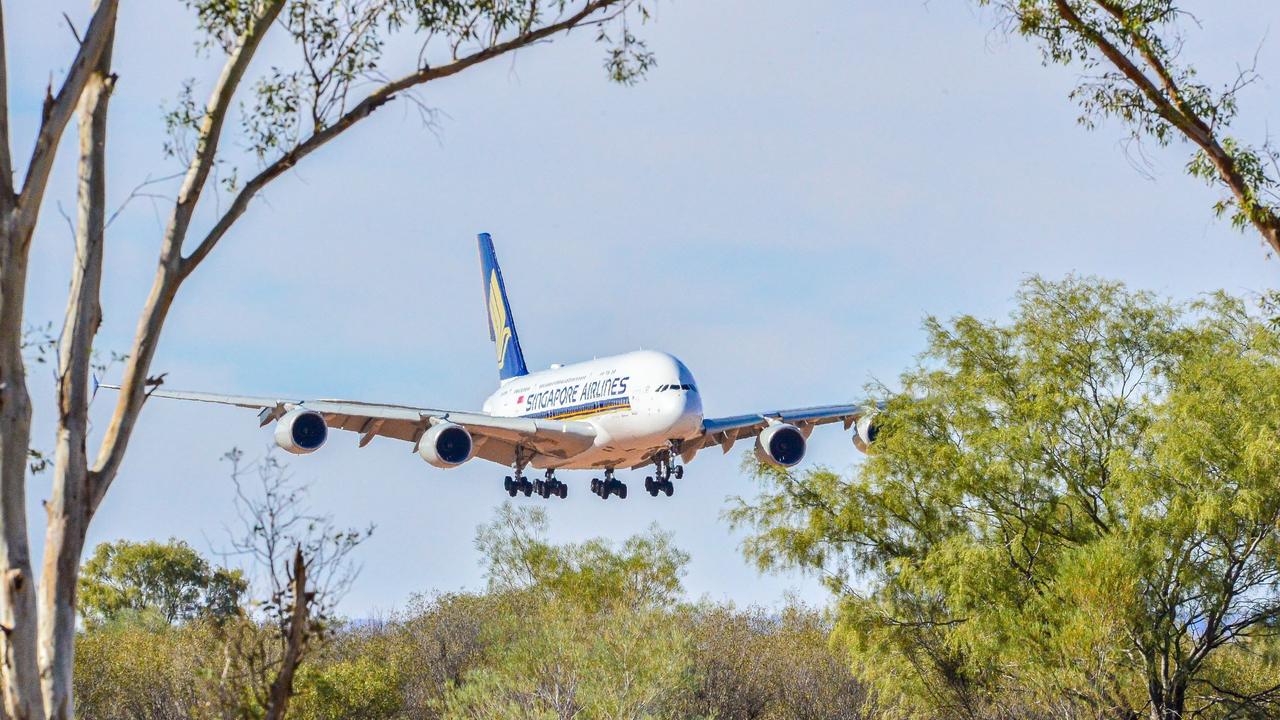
x: 498, y: 318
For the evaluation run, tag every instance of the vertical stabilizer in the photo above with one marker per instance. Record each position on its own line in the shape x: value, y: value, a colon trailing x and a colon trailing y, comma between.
x: 502, y: 327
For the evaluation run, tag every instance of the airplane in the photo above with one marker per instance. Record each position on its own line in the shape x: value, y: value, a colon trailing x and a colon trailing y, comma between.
x: 627, y: 411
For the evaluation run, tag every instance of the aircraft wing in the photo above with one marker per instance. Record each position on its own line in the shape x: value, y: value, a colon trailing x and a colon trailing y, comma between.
x: 496, y: 438
x: 728, y: 430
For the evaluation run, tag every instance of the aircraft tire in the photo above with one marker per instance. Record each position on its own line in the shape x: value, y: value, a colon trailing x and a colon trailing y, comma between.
x: 679, y: 472
x: 564, y: 491
x: 668, y: 488
x: 506, y: 484
x: 648, y: 485
x: 622, y: 491
x: 526, y: 487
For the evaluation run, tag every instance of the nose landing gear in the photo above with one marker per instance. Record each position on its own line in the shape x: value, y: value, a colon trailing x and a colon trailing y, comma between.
x: 664, y: 470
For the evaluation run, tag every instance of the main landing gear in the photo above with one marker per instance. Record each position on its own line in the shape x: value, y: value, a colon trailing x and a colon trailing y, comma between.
x: 609, y: 486
x: 664, y: 471
x: 548, y: 487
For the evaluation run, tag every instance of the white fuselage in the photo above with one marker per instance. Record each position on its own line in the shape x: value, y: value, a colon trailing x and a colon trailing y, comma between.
x: 638, y: 402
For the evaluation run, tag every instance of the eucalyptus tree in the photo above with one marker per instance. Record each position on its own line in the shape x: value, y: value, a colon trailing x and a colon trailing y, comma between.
x: 169, y: 579
x: 1072, y: 514
x: 339, y: 71
x: 1130, y: 54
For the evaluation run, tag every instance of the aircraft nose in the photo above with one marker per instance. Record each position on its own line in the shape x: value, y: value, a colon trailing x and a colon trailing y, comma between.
x: 690, y: 411
x: 692, y: 404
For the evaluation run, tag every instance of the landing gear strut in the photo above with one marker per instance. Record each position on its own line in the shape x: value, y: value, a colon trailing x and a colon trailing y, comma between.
x: 518, y: 483
x: 664, y: 470
x: 609, y: 486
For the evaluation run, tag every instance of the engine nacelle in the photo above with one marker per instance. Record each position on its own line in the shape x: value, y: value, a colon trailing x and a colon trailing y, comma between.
x: 301, y: 431
x: 865, y: 433
x: 781, y: 444
x: 446, y: 445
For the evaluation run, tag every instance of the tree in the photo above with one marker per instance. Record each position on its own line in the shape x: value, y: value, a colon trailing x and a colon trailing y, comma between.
x: 556, y: 663
x: 644, y: 573
x: 757, y: 663
x: 302, y: 564
x: 1129, y: 52
x: 169, y: 579
x: 585, y: 632
x: 1071, y: 514
x: 333, y: 81
x: 146, y: 669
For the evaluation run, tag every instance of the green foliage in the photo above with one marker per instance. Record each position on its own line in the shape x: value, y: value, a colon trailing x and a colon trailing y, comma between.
x: 339, y: 45
x: 644, y: 573
x: 365, y: 687
x: 170, y: 580
x: 556, y: 661
x: 128, y: 670
x: 567, y: 631
x: 1073, y: 513
x: 755, y: 664
x: 584, y: 632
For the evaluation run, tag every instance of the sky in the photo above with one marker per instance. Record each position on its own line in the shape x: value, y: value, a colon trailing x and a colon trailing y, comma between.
x: 780, y: 203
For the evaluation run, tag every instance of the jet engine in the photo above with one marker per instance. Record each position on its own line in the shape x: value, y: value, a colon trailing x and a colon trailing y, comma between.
x: 865, y: 433
x: 781, y: 445
x: 446, y: 445
x: 301, y: 431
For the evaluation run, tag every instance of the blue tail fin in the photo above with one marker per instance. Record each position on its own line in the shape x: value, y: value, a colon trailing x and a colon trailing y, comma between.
x: 502, y: 327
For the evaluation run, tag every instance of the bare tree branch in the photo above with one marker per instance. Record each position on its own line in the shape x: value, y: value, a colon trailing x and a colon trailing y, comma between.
x: 1169, y: 105
x: 58, y: 112
x: 6, y: 159
x: 362, y: 110
x: 168, y: 276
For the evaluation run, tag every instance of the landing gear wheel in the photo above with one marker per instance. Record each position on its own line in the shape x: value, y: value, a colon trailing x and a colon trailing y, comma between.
x: 526, y: 487
x: 622, y: 491
x: 506, y: 483
x: 595, y: 486
x: 679, y: 473
x: 648, y: 485
x: 538, y: 487
x: 564, y: 491
x: 667, y: 488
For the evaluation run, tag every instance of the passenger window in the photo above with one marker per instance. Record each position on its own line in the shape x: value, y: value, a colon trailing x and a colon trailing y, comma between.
x: 662, y: 388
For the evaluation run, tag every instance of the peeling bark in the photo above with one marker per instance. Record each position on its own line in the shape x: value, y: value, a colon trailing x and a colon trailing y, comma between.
x: 68, y: 509
x: 17, y: 583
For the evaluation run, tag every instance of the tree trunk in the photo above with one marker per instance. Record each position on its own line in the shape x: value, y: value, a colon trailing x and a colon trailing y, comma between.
x: 21, y: 676
x: 69, y: 510
x: 299, y: 618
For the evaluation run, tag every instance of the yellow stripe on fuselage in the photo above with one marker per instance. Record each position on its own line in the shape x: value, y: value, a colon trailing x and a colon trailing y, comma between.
x: 577, y: 414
